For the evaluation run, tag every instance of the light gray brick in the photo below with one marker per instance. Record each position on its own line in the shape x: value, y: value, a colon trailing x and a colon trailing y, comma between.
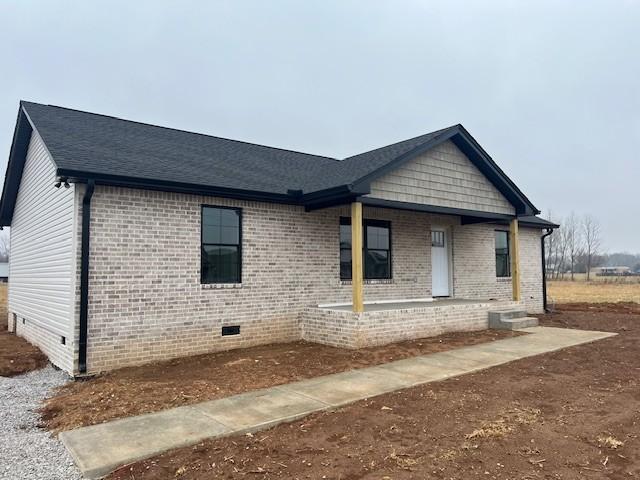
x: 146, y: 302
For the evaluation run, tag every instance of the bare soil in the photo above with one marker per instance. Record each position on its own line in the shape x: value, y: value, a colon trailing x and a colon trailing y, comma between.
x: 157, y: 386
x: 571, y: 414
x: 608, y: 307
x: 17, y: 355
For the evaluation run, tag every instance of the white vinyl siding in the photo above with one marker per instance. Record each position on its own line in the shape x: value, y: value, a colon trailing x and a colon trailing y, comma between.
x: 445, y: 177
x: 41, y: 264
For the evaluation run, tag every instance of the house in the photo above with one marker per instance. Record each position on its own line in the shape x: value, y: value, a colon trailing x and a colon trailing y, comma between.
x: 619, y: 271
x: 133, y: 243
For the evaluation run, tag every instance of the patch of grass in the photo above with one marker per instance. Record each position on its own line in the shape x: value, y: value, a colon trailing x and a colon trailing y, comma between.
x: 3, y: 306
x: 593, y: 292
x: 506, y: 423
x: 402, y: 460
x: 496, y: 428
x: 609, y: 442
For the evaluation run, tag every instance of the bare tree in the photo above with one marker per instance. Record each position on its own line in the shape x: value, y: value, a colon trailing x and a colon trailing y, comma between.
x: 562, y: 243
x: 574, y: 240
x: 592, y: 236
x: 551, y: 254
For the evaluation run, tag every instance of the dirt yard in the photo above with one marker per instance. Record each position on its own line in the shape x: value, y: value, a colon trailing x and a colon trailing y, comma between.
x: 148, y: 388
x: 572, y: 414
x: 16, y: 354
x: 562, y: 292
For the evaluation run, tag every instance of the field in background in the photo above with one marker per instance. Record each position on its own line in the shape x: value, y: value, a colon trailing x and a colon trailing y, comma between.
x: 3, y: 306
x: 626, y: 289
x: 582, y: 277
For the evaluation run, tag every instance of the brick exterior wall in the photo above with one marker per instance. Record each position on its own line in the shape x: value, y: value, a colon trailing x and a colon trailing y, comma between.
x: 474, y: 270
x: 146, y: 302
x: 346, y: 329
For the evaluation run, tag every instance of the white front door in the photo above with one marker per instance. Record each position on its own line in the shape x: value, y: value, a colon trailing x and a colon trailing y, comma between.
x: 439, y: 263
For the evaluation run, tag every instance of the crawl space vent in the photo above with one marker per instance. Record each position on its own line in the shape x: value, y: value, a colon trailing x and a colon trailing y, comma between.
x: 231, y: 330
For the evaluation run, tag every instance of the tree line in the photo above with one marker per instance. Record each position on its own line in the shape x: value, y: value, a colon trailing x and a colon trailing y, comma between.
x: 575, y: 248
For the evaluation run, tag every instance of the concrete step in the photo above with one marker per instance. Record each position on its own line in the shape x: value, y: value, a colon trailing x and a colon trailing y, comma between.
x: 507, y: 314
x: 513, y: 323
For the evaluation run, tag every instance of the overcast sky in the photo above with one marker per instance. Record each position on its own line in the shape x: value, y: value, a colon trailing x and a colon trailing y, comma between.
x: 551, y: 90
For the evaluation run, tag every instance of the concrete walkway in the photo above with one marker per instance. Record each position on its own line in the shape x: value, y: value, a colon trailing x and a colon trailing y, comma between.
x: 99, y: 449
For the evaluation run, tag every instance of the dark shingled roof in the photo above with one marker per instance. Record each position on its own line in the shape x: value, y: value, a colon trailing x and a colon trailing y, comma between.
x: 532, y: 221
x: 352, y: 169
x: 91, y: 143
x: 114, y: 151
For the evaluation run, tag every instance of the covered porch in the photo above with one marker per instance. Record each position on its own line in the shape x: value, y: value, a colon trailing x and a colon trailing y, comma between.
x: 360, y: 322
x: 358, y: 300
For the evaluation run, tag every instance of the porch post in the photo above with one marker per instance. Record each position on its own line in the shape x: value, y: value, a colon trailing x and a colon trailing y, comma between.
x: 514, y: 245
x: 356, y: 257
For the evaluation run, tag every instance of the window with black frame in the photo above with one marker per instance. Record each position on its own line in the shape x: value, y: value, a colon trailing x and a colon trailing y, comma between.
x: 503, y: 262
x: 376, y: 249
x: 221, y: 245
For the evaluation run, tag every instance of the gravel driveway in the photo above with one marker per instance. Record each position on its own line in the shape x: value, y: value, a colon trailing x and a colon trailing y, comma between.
x: 26, y: 451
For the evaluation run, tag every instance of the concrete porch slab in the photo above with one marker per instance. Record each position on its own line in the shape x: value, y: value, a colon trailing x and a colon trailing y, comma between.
x: 99, y: 449
x: 411, y: 304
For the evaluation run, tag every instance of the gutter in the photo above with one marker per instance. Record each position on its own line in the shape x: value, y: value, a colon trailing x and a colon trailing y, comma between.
x: 544, y: 270
x: 84, y: 275
x: 177, y: 187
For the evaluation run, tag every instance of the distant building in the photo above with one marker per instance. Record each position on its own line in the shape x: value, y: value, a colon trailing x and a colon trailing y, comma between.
x: 613, y: 271
x: 4, y: 272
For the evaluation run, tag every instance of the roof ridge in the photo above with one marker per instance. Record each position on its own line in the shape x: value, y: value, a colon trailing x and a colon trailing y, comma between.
x: 22, y: 102
x: 403, y: 141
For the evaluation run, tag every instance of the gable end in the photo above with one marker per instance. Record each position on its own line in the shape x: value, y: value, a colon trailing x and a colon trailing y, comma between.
x: 15, y: 166
x: 475, y: 154
x: 442, y: 176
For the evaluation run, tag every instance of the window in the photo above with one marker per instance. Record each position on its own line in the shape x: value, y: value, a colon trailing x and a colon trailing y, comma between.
x: 376, y: 253
x: 437, y: 238
x: 503, y: 262
x: 221, y: 245
x: 345, y: 249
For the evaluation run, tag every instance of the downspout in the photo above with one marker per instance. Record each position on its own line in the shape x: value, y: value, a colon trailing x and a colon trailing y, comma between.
x: 84, y: 275
x: 544, y: 270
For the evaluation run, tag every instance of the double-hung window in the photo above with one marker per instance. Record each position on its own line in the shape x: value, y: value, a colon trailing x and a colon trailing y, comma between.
x: 503, y: 261
x: 376, y: 252
x: 221, y: 258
